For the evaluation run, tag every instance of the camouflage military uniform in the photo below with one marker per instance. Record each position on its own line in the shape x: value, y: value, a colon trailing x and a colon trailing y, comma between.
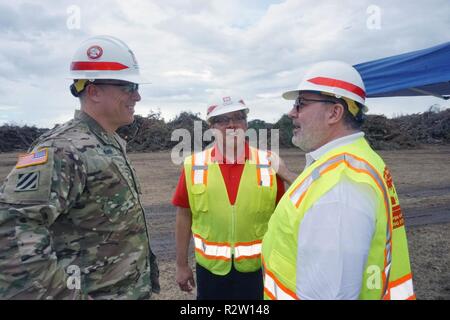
x: 73, y: 227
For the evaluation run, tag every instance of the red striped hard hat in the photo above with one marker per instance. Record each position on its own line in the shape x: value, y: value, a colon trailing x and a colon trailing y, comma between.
x: 334, y: 77
x: 105, y: 57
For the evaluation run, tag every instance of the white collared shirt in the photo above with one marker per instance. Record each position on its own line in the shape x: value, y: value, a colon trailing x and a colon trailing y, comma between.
x: 316, y: 154
x: 334, y: 236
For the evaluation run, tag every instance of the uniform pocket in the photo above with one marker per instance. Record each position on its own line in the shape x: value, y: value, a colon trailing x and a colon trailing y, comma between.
x: 199, y: 198
x: 266, y: 199
x: 199, y: 209
x: 281, y: 266
x: 265, y: 208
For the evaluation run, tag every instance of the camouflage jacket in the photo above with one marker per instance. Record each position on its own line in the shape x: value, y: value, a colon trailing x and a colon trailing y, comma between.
x: 71, y: 222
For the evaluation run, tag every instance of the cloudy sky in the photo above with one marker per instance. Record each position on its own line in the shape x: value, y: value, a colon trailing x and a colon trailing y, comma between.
x: 197, y: 51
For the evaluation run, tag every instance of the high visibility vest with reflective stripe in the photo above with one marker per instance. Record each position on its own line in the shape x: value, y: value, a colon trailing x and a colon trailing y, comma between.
x: 387, y: 273
x: 223, y: 231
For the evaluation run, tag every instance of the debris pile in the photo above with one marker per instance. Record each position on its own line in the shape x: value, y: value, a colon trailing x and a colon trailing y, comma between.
x: 149, y: 133
x: 410, y: 131
x: 15, y: 138
x: 152, y: 133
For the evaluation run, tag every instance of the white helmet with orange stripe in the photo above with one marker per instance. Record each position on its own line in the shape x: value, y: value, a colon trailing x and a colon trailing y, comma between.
x: 334, y: 78
x: 105, y: 57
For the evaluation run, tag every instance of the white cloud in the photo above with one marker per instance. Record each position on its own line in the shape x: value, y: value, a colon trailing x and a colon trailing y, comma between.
x: 196, y: 51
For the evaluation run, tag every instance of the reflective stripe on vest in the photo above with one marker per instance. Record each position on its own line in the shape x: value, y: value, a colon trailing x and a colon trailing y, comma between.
x: 199, y: 174
x: 222, y: 250
x: 361, y: 166
x: 247, y: 250
x: 402, y: 289
x: 275, y: 290
x: 212, y: 250
x: 263, y: 169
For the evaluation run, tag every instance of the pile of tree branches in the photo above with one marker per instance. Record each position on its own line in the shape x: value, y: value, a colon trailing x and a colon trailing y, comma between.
x: 410, y: 131
x: 153, y: 133
x: 15, y: 138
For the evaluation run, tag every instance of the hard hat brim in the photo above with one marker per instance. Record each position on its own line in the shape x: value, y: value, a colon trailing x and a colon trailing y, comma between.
x: 291, y: 95
x: 113, y: 76
x: 226, y: 109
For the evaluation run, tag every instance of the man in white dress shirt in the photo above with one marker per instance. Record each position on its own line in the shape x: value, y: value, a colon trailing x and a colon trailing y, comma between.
x: 338, y: 231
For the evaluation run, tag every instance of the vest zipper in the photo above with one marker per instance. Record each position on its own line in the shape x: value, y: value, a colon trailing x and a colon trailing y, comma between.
x: 233, y: 227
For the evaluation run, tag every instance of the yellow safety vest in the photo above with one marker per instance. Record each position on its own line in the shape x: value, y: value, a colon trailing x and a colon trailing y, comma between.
x: 223, y: 231
x: 387, y: 273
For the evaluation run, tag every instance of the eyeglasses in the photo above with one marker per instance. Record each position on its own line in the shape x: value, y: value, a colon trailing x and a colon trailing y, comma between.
x: 226, y: 119
x: 128, y: 87
x: 300, y: 102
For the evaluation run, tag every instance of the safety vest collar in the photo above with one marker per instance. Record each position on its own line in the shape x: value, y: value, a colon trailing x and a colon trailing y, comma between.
x: 264, y: 172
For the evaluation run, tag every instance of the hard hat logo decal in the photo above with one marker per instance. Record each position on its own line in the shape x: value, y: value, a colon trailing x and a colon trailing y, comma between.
x: 227, y: 100
x: 94, y: 52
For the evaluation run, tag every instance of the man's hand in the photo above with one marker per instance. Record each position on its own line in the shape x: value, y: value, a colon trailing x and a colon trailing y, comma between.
x: 277, y: 164
x: 185, y: 278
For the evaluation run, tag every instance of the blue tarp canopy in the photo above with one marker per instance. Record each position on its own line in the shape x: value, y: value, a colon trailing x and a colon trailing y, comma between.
x: 419, y: 73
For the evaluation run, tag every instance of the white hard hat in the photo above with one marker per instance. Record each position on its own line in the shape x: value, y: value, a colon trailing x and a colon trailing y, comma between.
x: 225, y: 106
x: 333, y: 77
x: 105, y: 57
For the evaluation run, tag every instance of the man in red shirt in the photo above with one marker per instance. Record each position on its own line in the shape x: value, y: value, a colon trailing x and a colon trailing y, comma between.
x: 225, y: 197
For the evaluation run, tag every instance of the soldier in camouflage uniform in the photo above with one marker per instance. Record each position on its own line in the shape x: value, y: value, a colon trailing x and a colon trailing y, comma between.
x: 71, y: 222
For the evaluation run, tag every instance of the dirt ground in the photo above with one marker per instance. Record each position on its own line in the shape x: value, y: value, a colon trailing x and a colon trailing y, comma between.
x: 422, y: 178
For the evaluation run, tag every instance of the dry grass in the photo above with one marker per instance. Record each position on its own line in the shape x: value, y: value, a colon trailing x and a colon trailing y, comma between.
x: 422, y: 178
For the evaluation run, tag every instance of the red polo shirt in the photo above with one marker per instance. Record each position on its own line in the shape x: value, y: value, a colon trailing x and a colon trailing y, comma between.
x: 231, y: 173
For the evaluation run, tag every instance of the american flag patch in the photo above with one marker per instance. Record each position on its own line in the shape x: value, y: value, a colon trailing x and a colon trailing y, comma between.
x: 32, y: 159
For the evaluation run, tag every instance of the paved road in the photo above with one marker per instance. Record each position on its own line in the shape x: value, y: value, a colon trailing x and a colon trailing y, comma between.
x: 422, y: 216
x: 161, y: 219
x: 426, y: 211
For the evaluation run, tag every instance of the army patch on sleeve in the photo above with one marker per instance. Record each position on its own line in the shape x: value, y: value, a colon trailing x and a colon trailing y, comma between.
x: 27, y: 181
x: 32, y: 159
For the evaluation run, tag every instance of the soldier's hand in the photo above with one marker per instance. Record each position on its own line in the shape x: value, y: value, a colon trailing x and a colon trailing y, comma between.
x: 185, y: 278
